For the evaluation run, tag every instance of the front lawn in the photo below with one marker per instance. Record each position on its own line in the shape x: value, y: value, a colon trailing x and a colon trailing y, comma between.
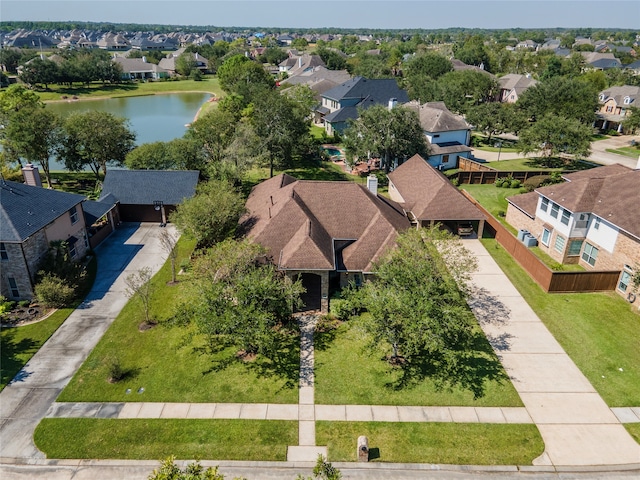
x: 346, y: 373
x: 540, y: 163
x: 172, y: 369
x: 631, y: 152
x: 493, y: 198
x: 441, y: 443
x: 142, y: 439
x: 599, y: 331
x: 634, y: 430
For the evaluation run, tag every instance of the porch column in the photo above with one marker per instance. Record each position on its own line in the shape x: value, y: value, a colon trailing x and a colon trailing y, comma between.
x: 480, y: 228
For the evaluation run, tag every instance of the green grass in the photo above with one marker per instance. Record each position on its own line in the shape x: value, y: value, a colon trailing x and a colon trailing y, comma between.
x: 19, y: 344
x: 441, y: 443
x: 634, y: 430
x: 553, y: 264
x: 139, y: 439
x: 347, y: 373
x: 631, y: 152
x: 599, y: 331
x: 82, y: 183
x: 173, y: 370
x: 493, y: 198
x: 96, y: 90
x: 538, y: 163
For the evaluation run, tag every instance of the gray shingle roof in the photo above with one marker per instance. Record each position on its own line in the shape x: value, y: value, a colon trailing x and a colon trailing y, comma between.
x: 25, y: 209
x: 143, y: 187
x: 436, y: 117
x: 93, y: 211
x: 379, y: 89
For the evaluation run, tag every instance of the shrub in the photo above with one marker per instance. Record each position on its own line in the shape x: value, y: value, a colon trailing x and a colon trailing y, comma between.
x: 52, y: 292
x: 499, y: 182
x: 5, y: 305
x: 115, y: 370
x: 515, y: 184
x: 341, y: 308
x: 531, y: 183
x: 24, y: 303
x: 455, y: 182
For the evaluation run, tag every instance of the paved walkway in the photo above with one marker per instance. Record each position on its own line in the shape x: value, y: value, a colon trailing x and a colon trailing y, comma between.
x: 577, y: 426
x: 28, y: 397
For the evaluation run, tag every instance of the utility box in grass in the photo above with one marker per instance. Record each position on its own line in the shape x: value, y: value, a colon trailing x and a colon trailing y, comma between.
x: 363, y: 449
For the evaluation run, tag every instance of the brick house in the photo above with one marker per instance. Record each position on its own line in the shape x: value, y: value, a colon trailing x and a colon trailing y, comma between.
x: 428, y: 197
x: 30, y: 218
x: 592, y: 219
x: 326, y: 233
x: 615, y: 103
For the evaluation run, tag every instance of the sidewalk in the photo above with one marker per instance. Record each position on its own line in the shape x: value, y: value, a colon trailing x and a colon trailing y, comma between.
x: 26, y: 400
x: 577, y: 426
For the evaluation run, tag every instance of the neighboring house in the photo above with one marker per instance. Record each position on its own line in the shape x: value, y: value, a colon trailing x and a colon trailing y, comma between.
x: 169, y: 63
x: 140, y: 69
x: 341, y: 103
x: 148, y: 195
x: 615, y: 103
x: 30, y: 218
x: 428, y: 197
x: 512, y: 85
x: 319, y: 79
x: 592, y: 219
x: 299, y: 64
x: 326, y: 233
x: 285, y: 40
x: 448, y: 135
x: 527, y: 45
x: 459, y: 65
x: 600, y: 61
x: 113, y: 41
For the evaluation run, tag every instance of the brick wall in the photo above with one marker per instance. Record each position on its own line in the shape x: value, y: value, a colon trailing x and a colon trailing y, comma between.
x: 22, y: 265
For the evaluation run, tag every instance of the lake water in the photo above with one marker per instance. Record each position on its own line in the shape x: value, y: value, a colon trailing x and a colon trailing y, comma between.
x: 154, y: 118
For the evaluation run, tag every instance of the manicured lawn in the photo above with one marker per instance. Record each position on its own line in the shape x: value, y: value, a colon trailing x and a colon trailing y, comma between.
x: 140, y: 439
x: 96, y: 90
x: 599, y: 331
x: 173, y: 370
x: 346, y: 373
x: 442, y: 443
x: 493, y: 198
x: 19, y: 344
x: 535, y: 163
x: 632, y: 152
x: 634, y: 430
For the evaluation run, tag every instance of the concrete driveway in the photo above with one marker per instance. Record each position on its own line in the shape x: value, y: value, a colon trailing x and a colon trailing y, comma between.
x: 25, y: 401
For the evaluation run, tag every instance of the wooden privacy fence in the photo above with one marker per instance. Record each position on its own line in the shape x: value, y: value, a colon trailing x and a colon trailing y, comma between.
x: 549, y: 280
x: 476, y: 173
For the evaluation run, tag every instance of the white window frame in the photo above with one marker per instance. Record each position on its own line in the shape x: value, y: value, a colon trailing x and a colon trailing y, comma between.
x: 545, y: 233
x: 544, y: 204
x: 560, y: 243
x: 588, y: 257
x: 596, y: 223
x: 566, y: 216
x: 73, y: 214
x: 625, y: 280
x: 555, y: 210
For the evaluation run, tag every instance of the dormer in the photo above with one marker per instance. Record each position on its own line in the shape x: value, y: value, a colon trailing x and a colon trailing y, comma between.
x: 602, y: 97
x: 627, y: 100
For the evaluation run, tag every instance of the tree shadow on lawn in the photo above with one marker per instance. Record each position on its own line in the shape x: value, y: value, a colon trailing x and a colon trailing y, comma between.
x: 558, y: 162
x: 467, y: 369
x: 10, y: 349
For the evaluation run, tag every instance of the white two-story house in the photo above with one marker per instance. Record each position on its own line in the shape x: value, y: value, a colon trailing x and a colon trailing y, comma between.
x: 592, y: 219
x: 448, y: 134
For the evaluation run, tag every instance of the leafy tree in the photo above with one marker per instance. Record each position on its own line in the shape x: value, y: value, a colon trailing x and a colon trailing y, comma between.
x: 214, y: 132
x: 11, y: 58
x: 300, y: 42
x: 332, y: 59
x: 394, y: 134
x: 553, y: 135
x: 553, y: 68
x: 473, y: 52
x: 244, y: 77
x: 239, y: 299
x: 596, y: 78
x: 39, y: 71
x: 460, y: 90
x: 185, y: 63
x: 54, y: 292
x: 566, y: 97
x: 417, y: 308
x: 96, y: 139
x: 303, y: 99
x: 139, y: 285
x: 632, y: 121
x: 273, y: 55
x: 369, y: 66
x: 177, y: 154
x: 283, y: 127
x: 323, y: 470
x: 34, y: 134
x: 211, y: 215
x: 491, y: 118
x: 432, y: 65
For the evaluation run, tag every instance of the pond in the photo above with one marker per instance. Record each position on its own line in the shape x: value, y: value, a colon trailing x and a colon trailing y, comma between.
x: 154, y: 118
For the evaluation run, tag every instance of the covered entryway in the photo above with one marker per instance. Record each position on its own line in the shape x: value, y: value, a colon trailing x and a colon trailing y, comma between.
x: 312, y: 298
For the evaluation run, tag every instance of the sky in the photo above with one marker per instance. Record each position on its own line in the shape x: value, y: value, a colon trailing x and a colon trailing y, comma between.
x: 384, y: 14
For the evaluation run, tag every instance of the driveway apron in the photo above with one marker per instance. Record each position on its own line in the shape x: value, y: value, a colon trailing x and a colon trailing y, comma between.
x: 577, y: 426
x: 26, y: 400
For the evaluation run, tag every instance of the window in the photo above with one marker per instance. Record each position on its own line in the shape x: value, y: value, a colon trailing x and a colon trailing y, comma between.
x: 574, y: 248
x: 590, y: 254
x: 72, y: 250
x: 73, y: 215
x: 609, y: 109
x: 445, y: 159
x: 544, y: 205
x: 14, y: 287
x: 559, y: 245
x: 555, y: 208
x: 566, y: 214
x: 625, y: 278
x: 627, y: 100
x: 596, y: 224
x: 3, y: 252
x: 602, y: 97
x: 436, y: 135
x: 546, y: 235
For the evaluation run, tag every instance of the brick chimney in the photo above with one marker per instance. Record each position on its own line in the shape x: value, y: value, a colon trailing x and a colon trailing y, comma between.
x: 31, y: 175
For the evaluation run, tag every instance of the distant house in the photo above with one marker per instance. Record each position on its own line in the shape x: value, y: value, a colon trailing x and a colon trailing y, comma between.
x: 592, y: 219
x: 319, y: 79
x: 148, y: 195
x: 285, y: 40
x: 326, y: 233
x: 30, y: 218
x: 169, y: 62
x: 428, y: 197
x: 448, y: 135
x: 527, y: 45
x: 113, y: 41
x: 615, y: 105
x: 299, y: 64
x: 512, y: 85
x: 341, y: 103
x: 140, y: 69
x: 600, y: 61
x: 459, y: 65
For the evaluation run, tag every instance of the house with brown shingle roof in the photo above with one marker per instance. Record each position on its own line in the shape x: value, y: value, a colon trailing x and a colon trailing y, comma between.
x: 512, y: 85
x: 615, y: 105
x: 592, y: 219
x: 326, y: 233
x: 428, y: 197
